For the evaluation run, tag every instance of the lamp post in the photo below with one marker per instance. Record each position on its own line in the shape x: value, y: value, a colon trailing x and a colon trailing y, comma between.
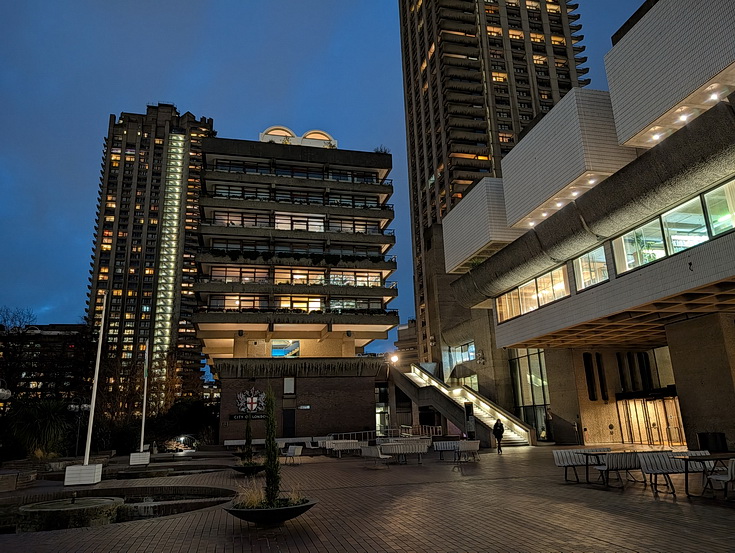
x: 78, y: 406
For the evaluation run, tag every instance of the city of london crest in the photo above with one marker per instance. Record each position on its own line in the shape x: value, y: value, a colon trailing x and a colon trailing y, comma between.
x: 251, y: 401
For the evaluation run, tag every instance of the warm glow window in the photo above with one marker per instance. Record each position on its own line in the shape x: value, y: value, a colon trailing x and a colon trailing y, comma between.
x: 590, y: 268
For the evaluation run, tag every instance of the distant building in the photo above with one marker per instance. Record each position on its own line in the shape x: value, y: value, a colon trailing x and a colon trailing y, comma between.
x: 47, y: 361
x: 293, y: 263
x: 144, y: 246
x: 406, y: 345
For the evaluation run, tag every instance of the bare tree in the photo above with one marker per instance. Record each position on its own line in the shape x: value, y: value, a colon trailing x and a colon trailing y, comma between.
x: 15, y: 327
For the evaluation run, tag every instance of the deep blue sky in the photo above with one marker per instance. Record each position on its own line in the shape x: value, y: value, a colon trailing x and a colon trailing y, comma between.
x: 66, y: 65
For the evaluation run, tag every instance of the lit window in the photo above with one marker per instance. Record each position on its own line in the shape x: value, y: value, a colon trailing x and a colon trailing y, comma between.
x: 558, y: 40
x: 537, y: 37
x: 639, y: 247
x: 500, y: 77
x: 684, y: 226
x: 285, y: 348
x: 721, y: 208
x: 590, y: 268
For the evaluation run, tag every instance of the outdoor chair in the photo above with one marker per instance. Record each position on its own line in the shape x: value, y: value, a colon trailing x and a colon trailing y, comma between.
x: 661, y: 463
x: 620, y: 462
x: 726, y: 479
x: 293, y: 452
x: 373, y: 452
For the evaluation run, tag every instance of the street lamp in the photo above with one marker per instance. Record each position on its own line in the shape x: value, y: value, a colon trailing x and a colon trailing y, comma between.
x: 78, y: 406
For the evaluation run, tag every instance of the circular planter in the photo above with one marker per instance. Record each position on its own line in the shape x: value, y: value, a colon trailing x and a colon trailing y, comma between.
x: 249, y: 470
x: 273, y: 515
x: 62, y: 513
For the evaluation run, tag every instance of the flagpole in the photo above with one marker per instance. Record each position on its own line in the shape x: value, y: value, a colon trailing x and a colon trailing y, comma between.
x: 100, y: 338
x: 145, y: 394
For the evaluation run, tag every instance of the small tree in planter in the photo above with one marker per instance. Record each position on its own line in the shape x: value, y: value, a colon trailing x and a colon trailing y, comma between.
x: 269, y: 508
x: 272, y: 464
x: 246, y: 465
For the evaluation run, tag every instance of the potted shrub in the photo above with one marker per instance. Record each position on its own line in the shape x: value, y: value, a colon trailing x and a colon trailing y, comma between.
x: 246, y: 465
x: 269, y: 506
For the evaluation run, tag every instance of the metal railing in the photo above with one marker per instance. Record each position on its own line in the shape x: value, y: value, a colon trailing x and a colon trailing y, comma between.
x: 295, y: 281
x: 281, y: 310
x: 483, y: 407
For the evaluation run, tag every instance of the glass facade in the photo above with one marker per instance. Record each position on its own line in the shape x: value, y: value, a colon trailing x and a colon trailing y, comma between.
x: 531, y: 390
x: 530, y: 296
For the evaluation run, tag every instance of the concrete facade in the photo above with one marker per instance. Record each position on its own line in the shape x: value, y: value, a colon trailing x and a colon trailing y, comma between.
x: 668, y: 65
x: 637, y: 333
x: 538, y: 180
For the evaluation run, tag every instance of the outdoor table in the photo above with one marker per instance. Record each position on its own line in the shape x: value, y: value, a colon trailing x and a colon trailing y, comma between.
x: 716, y: 458
x: 587, y: 455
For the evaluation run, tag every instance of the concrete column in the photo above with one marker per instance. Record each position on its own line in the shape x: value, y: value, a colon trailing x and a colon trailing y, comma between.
x: 563, y: 395
x: 240, y: 346
x: 703, y: 361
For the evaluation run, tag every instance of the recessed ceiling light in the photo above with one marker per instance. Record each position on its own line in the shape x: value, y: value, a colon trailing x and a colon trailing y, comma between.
x: 544, y: 214
x: 591, y: 181
x: 559, y: 204
x: 531, y: 223
x: 656, y: 136
x: 683, y: 117
x: 575, y: 193
x: 714, y: 96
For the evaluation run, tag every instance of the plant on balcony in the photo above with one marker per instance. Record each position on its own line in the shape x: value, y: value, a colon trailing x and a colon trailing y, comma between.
x: 269, y: 506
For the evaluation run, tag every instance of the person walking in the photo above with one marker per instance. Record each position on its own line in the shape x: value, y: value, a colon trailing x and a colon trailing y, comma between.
x: 498, y: 431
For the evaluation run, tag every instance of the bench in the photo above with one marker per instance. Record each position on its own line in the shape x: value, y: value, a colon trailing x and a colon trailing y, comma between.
x: 442, y: 446
x: 373, y: 452
x: 465, y: 448
x: 403, y: 449
x: 661, y: 463
x: 573, y: 458
x: 621, y: 461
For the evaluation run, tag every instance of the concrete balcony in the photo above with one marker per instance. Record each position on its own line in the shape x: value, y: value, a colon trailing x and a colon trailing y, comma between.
x: 383, y: 212
x: 267, y: 286
x: 377, y: 262
x: 300, y: 367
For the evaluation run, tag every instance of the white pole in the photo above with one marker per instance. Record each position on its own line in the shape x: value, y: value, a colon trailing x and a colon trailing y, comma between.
x: 145, y: 394
x: 100, y: 338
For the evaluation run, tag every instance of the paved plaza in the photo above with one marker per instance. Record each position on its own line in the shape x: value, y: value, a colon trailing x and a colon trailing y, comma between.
x: 513, y: 502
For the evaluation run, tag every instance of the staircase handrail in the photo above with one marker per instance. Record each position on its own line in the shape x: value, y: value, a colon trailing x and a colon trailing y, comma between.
x: 513, y: 423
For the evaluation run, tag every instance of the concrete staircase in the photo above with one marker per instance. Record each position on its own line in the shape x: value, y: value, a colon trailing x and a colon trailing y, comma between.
x: 426, y: 390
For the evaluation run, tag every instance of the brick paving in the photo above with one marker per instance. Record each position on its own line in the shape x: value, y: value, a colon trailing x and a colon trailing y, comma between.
x: 517, y: 502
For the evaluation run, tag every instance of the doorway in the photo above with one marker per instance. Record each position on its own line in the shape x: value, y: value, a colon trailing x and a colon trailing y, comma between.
x: 651, y: 421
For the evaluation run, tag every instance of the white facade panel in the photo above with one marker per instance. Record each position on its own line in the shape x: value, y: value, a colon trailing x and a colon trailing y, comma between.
x: 706, y: 263
x: 668, y: 64
x: 475, y: 223
x: 570, y: 150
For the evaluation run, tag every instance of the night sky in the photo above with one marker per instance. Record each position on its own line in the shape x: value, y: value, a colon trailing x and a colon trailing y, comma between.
x: 333, y: 65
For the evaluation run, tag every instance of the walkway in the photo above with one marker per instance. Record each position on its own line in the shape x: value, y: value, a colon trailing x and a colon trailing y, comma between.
x: 510, y: 503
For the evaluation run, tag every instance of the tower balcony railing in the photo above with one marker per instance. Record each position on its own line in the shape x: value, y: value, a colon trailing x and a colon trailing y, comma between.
x: 311, y: 173
x: 265, y: 197
x: 293, y: 311
x: 271, y: 255
x: 390, y: 284
x: 307, y: 227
